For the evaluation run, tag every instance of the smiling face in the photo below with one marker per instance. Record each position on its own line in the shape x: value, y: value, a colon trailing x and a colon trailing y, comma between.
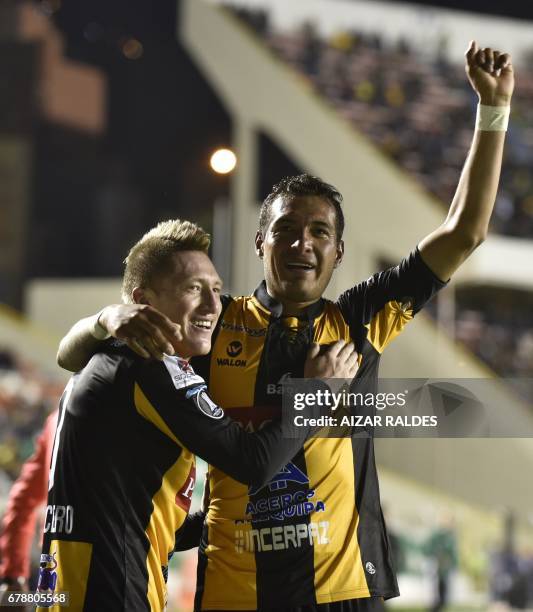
x: 299, y: 248
x: 189, y: 294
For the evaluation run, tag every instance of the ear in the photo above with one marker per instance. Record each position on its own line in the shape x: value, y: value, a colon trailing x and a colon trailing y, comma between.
x: 259, y: 244
x: 340, y: 253
x: 140, y: 295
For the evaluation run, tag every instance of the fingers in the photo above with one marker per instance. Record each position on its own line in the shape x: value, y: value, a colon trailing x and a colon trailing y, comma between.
x: 484, y: 58
x: 151, y: 341
x: 148, y: 332
x: 346, y: 352
x: 155, y: 335
x: 471, y: 51
x: 503, y: 62
x: 161, y: 321
x: 488, y: 59
x: 339, y: 360
x: 137, y: 348
x: 162, y: 330
x: 151, y: 347
x: 340, y: 351
x: 352, y: 361
x: 347, y: 360
x: 334, y: 350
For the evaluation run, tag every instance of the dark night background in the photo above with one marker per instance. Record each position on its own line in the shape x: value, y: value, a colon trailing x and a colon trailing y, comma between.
x: 152, y: 163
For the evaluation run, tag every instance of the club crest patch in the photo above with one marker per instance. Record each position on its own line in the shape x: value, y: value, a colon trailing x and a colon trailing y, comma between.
x: 207, y: 405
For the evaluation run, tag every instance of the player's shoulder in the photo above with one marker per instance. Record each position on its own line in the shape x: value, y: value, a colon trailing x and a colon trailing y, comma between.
x: 381, y: 280
x: 112, y: 355
x: 235, y: 307
x: 104, y: 370
x: 228, y: 299
x: 115, y: 361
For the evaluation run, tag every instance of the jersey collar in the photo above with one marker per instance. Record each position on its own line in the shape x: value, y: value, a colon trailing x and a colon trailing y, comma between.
x: 276, y: 308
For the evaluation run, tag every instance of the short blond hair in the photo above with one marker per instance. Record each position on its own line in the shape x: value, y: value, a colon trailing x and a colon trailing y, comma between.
x: 151, y: 256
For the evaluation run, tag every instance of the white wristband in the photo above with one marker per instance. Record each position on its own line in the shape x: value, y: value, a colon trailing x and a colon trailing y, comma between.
x: 492, y: 118
x: 97, y: 331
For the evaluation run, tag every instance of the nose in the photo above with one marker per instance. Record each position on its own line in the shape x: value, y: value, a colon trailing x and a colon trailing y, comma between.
x: 211, y: 301
x: 303, y: 241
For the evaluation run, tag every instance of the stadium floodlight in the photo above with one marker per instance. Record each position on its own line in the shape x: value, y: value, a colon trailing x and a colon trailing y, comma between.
x: 223, y: 161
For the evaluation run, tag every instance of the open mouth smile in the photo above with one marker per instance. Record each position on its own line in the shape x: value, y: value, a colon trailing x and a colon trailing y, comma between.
x: 203, y: 324
x: 299, y: 265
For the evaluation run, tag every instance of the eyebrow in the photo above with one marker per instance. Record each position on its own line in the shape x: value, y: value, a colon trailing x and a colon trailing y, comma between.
x: 202, y: 279
x: 324, y: 223
x: 291, y: 218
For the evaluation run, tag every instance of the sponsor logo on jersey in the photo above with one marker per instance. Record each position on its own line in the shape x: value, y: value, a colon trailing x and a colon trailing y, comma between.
x: 286, y: 504
x: 282, y: 537
x: 184, y: 495
x: 236, y: 363
x: 47, y: 574
x: 234, y: 349
x: 281, y: 507
x: 205, y: 403
x: 289, y: 473
x: 277, y: 388
x: 370, y: 567
x: 59, y: 519
x: 181, y: 372
x: 255, y: 333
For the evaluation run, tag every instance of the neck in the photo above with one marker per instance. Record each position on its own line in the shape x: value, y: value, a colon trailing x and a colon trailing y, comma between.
x: 293, y: 309
x: 290, y: 308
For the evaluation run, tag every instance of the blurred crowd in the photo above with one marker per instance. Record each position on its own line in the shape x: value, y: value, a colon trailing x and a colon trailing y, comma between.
x: 27, y: 396
x: 419, y: 111
x: 498, y: 327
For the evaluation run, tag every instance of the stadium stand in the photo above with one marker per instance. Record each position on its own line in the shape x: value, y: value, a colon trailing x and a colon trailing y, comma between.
x: 399, y: 99
x: 418, y: 111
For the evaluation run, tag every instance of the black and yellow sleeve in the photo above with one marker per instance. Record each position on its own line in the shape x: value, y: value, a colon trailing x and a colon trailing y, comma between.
x: 379, y: 307
x: 193, y: 420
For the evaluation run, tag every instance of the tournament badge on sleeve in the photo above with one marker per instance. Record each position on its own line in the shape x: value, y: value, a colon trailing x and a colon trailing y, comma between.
x: 204, y: 403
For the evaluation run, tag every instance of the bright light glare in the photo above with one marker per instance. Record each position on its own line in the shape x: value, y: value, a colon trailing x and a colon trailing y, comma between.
x: 223, y: 161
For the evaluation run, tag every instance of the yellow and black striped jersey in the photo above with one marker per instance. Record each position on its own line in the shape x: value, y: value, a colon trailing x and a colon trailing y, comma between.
x: 123, y: 471
x: 315, y: 533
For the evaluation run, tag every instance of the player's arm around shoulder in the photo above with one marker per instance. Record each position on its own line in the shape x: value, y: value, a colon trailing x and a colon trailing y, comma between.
x: 490, y: 73
x: 148, y: 332
x: 170, y: 390
x: 175, y: 399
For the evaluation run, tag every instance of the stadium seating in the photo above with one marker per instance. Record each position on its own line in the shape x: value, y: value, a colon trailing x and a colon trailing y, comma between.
x: 418, y: 111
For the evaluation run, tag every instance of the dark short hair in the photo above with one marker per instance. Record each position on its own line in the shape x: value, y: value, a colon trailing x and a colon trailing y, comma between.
x: 303, y: 185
